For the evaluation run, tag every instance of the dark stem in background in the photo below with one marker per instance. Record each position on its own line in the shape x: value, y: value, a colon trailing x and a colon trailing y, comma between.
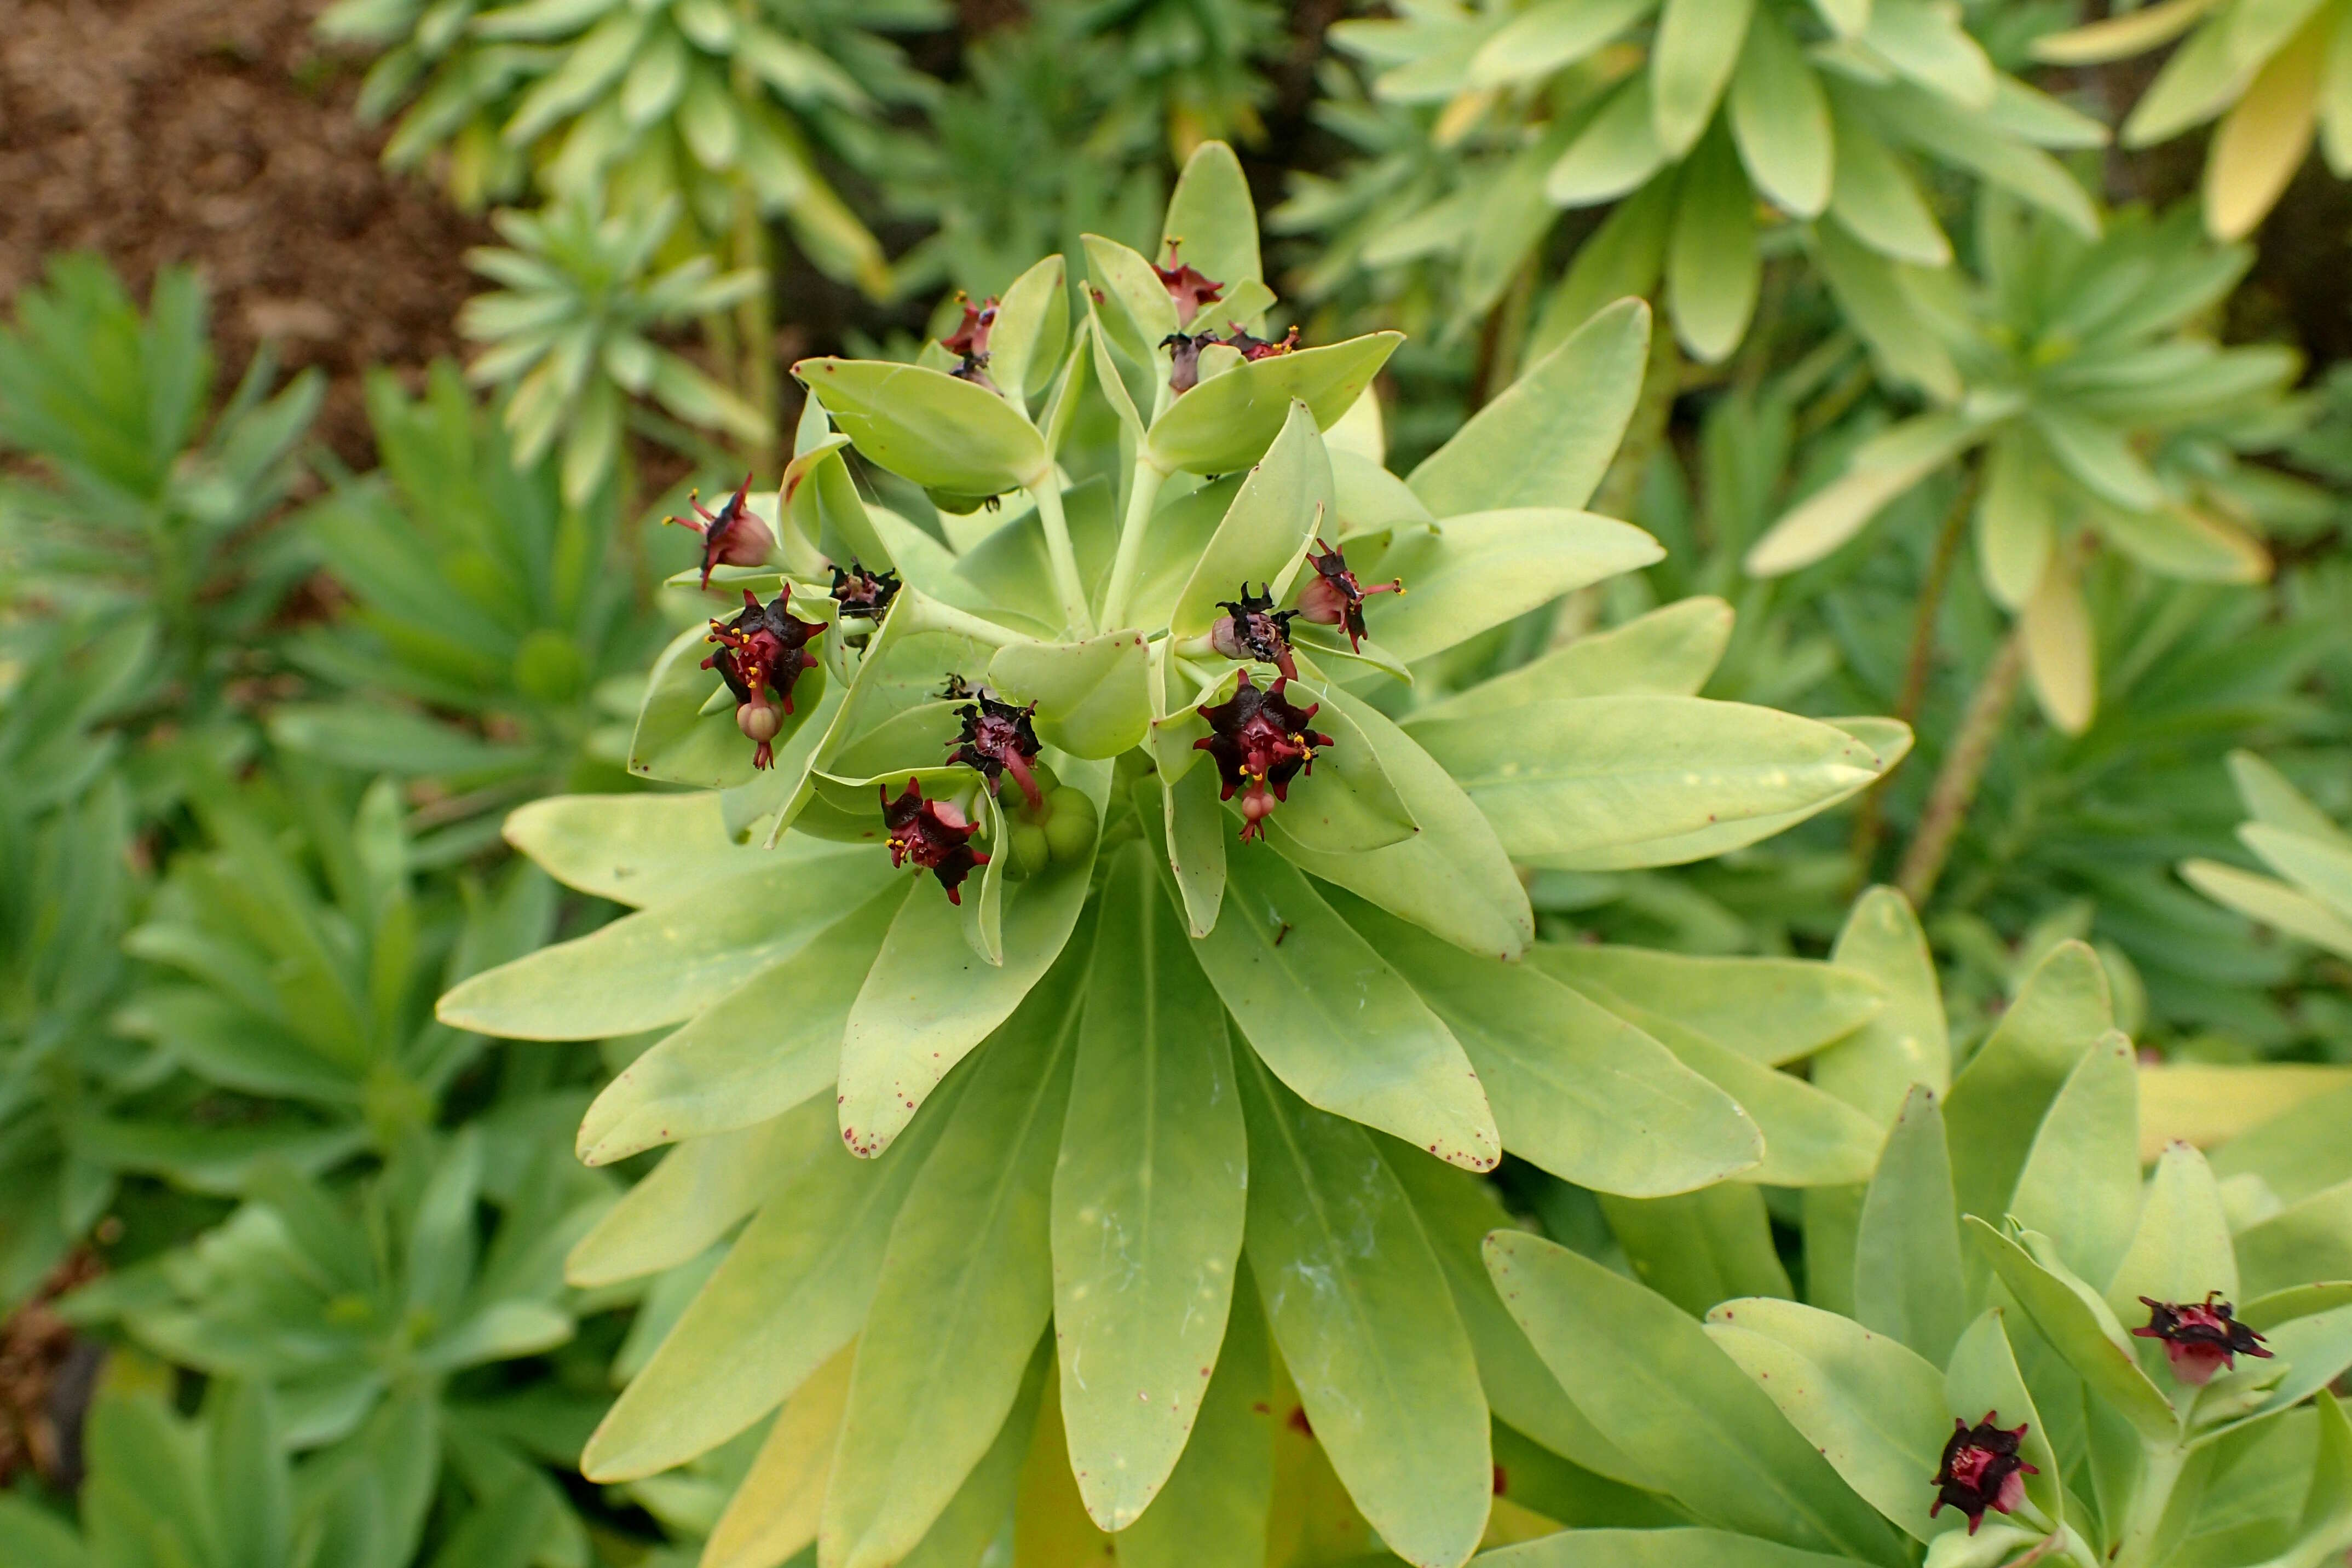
x: 1870, y: 820
x: 1956, y: 781
x: 1502, y: 339
x: 1645, y: 432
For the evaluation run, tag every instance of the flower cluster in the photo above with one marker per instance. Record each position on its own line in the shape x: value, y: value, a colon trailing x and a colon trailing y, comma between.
x: 1333, y: 598
x: 1252, y: 628
x: 968, y: 341
x: 998, y: 737
x: 933, y: 835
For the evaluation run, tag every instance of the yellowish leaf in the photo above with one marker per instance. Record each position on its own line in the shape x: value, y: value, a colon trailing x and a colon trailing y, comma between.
x: 774, y: 1513
x: 2206, y: 1105
x: 2262, y: 139
x: 2061, y: 659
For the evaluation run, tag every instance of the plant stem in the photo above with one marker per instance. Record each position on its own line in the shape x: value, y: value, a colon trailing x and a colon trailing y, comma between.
x: 1870, y: 820
x: 2160, y: 1474
x: 1142, y: 494
x: 1956, y: 781
x: 1047, y: 493
x: 1646, y: 431
x: 936, y: 617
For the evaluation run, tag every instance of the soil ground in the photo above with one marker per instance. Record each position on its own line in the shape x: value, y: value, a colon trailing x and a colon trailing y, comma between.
x: 219, y: 133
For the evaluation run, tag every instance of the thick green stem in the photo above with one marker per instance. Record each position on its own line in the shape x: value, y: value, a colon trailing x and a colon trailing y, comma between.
x: 936, y: 617
x: 1142, y: 495
x: 1956, y: 781
x: 1870, y: 821
x: 1047, y: 493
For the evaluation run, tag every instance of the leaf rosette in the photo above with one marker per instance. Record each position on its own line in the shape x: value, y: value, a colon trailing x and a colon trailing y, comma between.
x: 1237, y: 962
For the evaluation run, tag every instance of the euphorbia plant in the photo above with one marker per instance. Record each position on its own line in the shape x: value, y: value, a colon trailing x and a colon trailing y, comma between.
x: 2015, y: 1349
x: 1220, y: 904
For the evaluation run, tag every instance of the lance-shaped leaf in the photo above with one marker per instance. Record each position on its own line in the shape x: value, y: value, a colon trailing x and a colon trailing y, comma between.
x: 930, y: 998
x: 1213, y: 1513
x: 757, y: 1052
x: 1228, y: 421
x: 1700, y: 1247
x: 1567, y: 777
x: 1212, y: 216
x: 1654, y: 1384
x: 1033, y: 322
x: 2307, y: 1241
x: 660, y: 966
x: 1671, y: 1548
x: 1451, y: 878
x: 1691, y: 63
x: 686, y: 730
x: 1334, y: 1022
x: 1908, y: 1283
x: 1360, y: 1309
x: 1285, y: 497
x: 1773, y: 1010
x: 793, y: 1291
x: 1477, y: 571
x: 1456, y: 1212
x: 1982, y: 1375
x: 773, y: 1512
x: 1809, y: 1139
x: 695, y: 1195
x: 1781, y: 119
x: 1093, y: 697
x: 1149, y: 1193
x: 942, y: 432
x: 1576, y: 1091
x: 1669, y: 652
x: 1873, y: 1409
x: 641, y: 849
x: 1132, y: 305
x: 1548, y: 438
x: 1998, y: 1100
x: 2183, y: 1248
x: 1195, y: 828
x: 1883, y: 469
x: 2080, y: 1185
x: 2073, y: 1318
x: 1906, y: 1042
x: 965, y: 1291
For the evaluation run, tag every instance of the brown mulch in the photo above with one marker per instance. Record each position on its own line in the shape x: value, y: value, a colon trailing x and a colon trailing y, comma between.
x: 217, y: 132
x: 46, y: 1375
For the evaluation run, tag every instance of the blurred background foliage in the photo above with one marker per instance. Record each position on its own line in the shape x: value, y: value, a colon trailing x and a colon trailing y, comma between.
x: 262, y: 711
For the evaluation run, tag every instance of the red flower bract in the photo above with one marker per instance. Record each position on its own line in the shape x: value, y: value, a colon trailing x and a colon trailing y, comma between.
x: 1189, y: 287
x: 932, y: 834
x: 2200, y: 1338
x: 1259, y: 742
x: 969, y: 342
x: 1259, y: 348
x: 763, y: 649
x: 735, y: 536
x: 1333, y: 598
x: 997, y: 740
x: 1981, y: 1470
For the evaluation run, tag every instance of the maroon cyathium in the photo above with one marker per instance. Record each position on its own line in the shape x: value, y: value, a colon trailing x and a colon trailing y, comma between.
x: 1982, y: 1470
x: 997, y: 739
x: 763, y: 650
x: 932, y: 834
x: 1332, y: 597
x: 1189, y: 287
x: 2200, y: 1338
x: 1252, y: 627
x: 734, y: 536
x: 1260, y: 741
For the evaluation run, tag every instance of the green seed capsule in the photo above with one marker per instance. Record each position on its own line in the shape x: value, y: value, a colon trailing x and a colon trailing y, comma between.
x: 1028, y: 848
x: 1071, y: 822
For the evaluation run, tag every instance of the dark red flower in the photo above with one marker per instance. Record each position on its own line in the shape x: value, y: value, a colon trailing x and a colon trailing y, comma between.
x: 969, y: 342
x: 1259, y: 348
x: 971, y: 338
x: 997, y: 740
x: 1253, y: 628
x: 1259, y: 742
x: 1189, y: 288
x: 1184, y: 360
x: 864, y: 595
x: 1333, y: 598
x: 1981, y: 1470
x: 735, y: 536
x: 932, y: 834
x: 763, y: 650
x: 2200, y: 1338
